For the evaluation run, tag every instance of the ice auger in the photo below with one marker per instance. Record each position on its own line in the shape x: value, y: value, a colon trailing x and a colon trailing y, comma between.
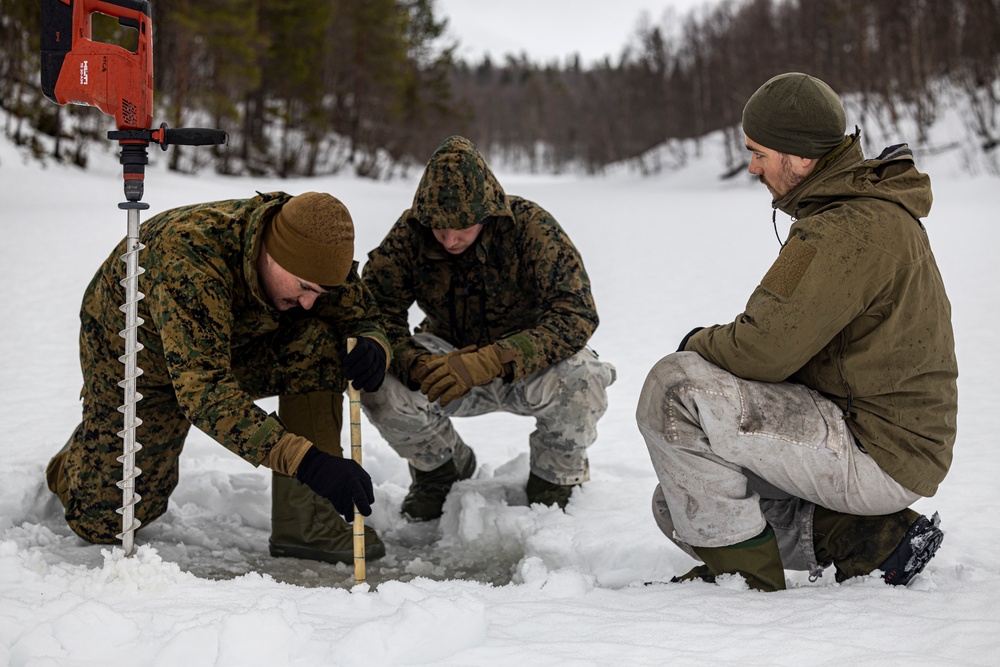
x: 118, y: 81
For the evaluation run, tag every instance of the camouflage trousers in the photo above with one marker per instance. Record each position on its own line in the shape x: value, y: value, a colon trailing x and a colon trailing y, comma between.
x: 298, y: 359
x: 731, y: 454
x: 566, y: 399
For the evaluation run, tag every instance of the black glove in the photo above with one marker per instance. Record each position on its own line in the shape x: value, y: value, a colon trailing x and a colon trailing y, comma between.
x: 364, y: 366
x: 341, y: 481
x: 684, y: 341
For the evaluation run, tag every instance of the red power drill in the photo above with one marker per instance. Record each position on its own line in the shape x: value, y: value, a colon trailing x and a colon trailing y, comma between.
x: 78, y: 70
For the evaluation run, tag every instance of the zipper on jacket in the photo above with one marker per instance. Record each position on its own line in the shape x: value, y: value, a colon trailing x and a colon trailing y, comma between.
x: 842, y: 370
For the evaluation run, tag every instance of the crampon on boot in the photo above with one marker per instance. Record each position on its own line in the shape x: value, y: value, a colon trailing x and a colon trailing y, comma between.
x: 918, y: 546
x: 898, y: 545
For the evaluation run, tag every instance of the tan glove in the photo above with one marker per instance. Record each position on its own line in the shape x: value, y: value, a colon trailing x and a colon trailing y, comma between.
x: 420, y: 368
x: 425, y: 363
x: 452, y: 375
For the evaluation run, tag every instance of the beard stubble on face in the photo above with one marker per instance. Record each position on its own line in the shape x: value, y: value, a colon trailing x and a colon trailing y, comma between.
x: 785, y: 181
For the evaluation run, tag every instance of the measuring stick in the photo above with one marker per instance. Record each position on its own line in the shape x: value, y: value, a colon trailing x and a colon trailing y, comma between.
x: 354, y: 397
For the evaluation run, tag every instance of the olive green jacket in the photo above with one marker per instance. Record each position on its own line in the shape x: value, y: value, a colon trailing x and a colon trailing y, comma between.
x: 202, y: 303
x: 855, y: 308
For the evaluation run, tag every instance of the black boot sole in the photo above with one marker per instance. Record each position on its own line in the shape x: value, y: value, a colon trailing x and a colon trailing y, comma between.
x: 372, y: 553
x: 915, y: 550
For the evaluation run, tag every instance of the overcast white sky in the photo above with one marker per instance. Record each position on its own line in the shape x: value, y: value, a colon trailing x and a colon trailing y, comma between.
x: 548, y: 30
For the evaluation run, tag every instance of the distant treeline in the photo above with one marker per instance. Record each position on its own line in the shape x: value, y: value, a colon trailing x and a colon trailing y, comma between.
x: 307, y: 87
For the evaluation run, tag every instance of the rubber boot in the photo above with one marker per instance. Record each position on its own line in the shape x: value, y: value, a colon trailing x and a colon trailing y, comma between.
x: 699, y: 573
x: 303, y: 524
x: 757, y: 559
x: 860, y: 545
x: 429, y: 488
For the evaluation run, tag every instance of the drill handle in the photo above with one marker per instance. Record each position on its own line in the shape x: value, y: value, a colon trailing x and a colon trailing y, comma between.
x: 184, y: 136
x: 189, y: 136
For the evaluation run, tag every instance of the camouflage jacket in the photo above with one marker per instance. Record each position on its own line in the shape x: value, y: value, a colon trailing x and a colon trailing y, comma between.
x: 522, y: 285
x: 202, y: 303
x: 854, y: 307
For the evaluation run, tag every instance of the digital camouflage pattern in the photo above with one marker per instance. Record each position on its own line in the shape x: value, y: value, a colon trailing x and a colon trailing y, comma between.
x: 566, y: 399
x: 522, y: 285
x: 458, y: 189
x: 212, y: 344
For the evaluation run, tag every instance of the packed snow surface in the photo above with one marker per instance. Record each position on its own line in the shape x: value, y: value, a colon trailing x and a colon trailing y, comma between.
x: 494, y: 582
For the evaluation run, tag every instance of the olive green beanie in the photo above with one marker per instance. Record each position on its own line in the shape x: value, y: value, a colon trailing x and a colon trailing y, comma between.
x: 797, y: 114
x: 312, y: 237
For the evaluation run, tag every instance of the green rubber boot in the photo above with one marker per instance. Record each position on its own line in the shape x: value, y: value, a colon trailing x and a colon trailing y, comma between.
x: 303, y: 524
x: 757, y: 559
x: 899, y: 544
x: 697, y: 573
x: 429, y: 489
x: 547, y: 493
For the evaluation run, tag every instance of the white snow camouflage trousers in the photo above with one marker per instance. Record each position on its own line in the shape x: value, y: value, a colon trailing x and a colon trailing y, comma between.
x: 731, y: 454
x: 566, y: 399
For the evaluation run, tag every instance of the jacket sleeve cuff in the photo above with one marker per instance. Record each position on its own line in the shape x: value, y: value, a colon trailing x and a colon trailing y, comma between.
x: 285, y: 457
x: 684, y: 341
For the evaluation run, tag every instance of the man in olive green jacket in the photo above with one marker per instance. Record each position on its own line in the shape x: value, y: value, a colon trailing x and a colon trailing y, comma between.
x: 797, y: 436
x: 508, y: 313
x: 244, y: 299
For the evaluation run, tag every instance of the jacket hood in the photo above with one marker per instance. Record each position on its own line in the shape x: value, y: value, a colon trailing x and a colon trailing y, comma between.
x: 891, y: 177
x: 458, y: 189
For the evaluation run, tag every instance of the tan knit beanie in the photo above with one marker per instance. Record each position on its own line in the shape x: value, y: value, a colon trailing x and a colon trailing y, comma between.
x: 312, y: 237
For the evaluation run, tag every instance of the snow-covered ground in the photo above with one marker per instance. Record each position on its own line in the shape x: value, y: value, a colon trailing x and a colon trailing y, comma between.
x: 493, y: 582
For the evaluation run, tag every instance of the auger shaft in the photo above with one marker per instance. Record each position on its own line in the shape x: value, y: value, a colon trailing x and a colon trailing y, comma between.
x: 130, y: 445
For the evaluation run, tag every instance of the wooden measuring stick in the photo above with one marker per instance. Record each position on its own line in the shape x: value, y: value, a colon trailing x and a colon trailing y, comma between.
x: 354, y: 398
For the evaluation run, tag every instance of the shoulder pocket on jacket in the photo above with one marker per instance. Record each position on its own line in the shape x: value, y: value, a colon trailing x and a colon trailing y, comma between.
x: 787, y: 271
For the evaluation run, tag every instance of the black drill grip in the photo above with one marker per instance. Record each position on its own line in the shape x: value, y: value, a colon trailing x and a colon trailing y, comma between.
x: 193, y: 136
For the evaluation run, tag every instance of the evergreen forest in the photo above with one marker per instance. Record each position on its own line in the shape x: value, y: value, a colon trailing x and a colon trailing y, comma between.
x: 311, y: 87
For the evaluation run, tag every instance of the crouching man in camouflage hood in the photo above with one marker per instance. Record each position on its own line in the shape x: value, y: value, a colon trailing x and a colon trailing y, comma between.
x: 244, y: 299
x: 508, y: 316
x: 797, y: 436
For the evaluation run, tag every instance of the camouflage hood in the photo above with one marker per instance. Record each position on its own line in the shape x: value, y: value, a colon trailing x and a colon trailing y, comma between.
x: 458, y: 189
